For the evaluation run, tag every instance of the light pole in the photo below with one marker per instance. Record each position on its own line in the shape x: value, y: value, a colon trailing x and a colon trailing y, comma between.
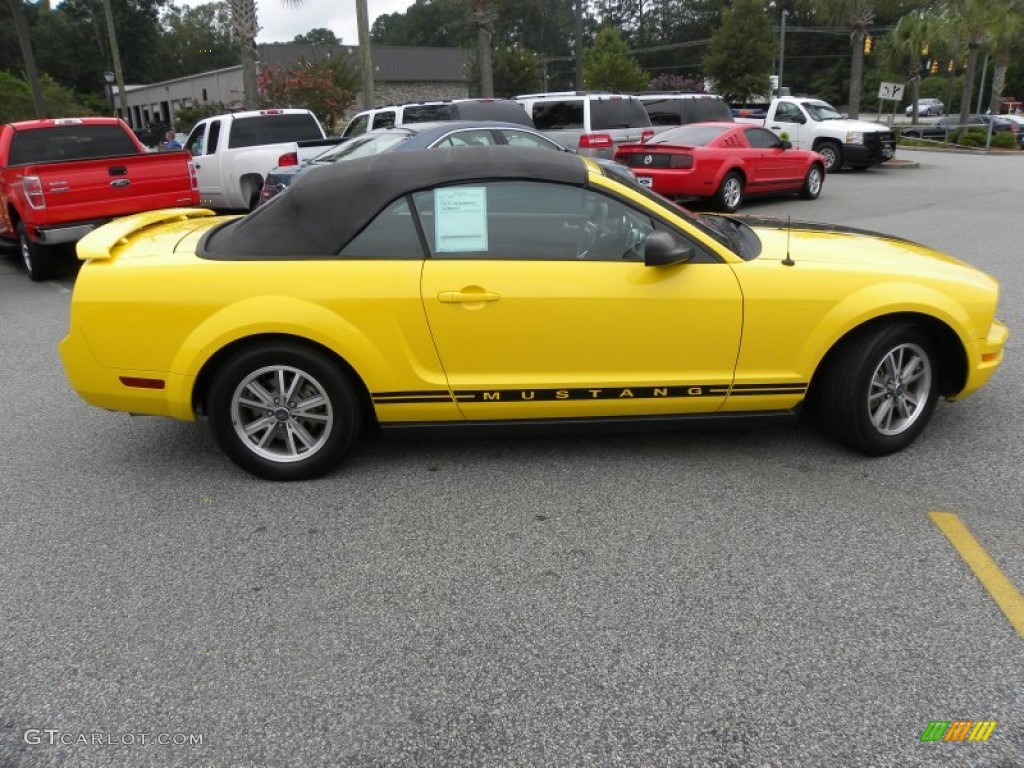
x: 782, y: 50
x: 109, y: 78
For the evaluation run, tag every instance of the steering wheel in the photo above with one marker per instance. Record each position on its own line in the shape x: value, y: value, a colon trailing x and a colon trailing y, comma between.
x: 597, y: 219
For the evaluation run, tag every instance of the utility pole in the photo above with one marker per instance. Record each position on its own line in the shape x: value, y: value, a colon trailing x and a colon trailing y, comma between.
x: 782, y: 50
x: 116, y: 56
x: 365, y: 60
x: 579, y: 45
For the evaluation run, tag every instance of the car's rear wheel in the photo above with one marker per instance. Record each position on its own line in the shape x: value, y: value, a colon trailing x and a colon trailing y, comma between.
x: 40, y: 261
x: 283, y: 412
x: 880, y: 388
x: 832, y: 153
x: 812, y: 183
x: 730, y: 192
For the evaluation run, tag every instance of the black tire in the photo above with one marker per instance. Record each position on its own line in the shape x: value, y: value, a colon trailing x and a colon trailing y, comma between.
x: 812, y: 182
x: 863, y: 405
x: 832, y: 153
x: 730, y: 192
x: 40, y: 261
x: 325, y: 430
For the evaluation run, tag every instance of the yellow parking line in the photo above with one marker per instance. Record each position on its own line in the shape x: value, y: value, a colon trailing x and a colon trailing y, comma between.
x: 1005, y: 595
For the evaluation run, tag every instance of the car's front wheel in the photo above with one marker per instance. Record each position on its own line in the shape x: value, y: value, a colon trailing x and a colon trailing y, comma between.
x: 283, y: 412
x: 880, y: 389
x: 812, y: 183
x: 730, y: 192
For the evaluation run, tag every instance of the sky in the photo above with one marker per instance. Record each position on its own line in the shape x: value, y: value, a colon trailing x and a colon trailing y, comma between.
x: 279, y: 23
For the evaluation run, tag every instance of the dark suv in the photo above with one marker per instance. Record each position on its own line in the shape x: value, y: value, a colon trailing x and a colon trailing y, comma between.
x: 672, y: 109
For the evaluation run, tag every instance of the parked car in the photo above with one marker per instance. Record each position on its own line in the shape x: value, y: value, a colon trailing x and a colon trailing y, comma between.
x: 61, y: 178
x: 939, y: 130
x: 503, y: 290
x: 1018, y: 121
x: 502, y: 110
x: 403, y: 138
x: 724, y: 162
x: 673, y: 109
x: 590, y: 123
x: 927, y: 108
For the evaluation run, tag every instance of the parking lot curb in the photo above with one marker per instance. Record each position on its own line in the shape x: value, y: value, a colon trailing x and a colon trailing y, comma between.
x: 900, y: 163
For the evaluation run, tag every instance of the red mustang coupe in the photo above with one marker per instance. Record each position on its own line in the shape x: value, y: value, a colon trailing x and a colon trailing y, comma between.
x: 723, y: 162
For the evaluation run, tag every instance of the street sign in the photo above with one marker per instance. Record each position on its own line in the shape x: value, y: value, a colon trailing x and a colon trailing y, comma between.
x: 891, y: 91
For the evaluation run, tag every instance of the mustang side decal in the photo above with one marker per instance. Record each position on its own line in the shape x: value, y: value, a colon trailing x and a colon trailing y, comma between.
x: 595, y: 393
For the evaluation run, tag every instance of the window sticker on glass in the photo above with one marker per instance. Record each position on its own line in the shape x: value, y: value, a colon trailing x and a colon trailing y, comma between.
x: 460, y: 214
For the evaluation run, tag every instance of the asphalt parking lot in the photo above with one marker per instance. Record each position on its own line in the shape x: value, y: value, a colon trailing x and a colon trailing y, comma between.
x: 747, y: 598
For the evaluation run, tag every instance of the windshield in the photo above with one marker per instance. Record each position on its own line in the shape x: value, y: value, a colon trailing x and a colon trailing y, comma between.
x: 696, y: 135
x: 820, y: 110
x: 733, y: 234
x: 362, y: 146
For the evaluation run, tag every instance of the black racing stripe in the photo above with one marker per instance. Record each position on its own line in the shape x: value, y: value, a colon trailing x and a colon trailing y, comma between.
x: 645, y: 392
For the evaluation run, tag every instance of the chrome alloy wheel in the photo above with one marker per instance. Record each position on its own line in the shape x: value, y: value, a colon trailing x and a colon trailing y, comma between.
x: 732, y: 193
x: 282, y: 414
x: 814, y: 182
x: 899, y: 389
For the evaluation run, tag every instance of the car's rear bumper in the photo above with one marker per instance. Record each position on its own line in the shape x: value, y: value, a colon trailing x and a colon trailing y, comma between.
x: 153, y: 393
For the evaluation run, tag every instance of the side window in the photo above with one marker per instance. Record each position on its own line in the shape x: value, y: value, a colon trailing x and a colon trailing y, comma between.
x: 530, y: 221
x: 475, y: 138
x: 558, y: 115
x: 391, y: 235
x: 786, y: 112
x: 194, y: 142
x: 426, y: 113
x: 214, y: 137
x: 759, y: 138
x: 357, y: 127
x: 523, y: 139
x: 384, y: 119
x: 663, y: 111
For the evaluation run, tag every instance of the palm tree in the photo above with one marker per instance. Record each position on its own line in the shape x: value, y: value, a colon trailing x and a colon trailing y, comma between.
x: 1007, y: 38
x: 857, y: 15
x: 905, y: 46
x: 975, y: 19
x: 483, y: 14
x: 25, y: 43
x: 246, y: 26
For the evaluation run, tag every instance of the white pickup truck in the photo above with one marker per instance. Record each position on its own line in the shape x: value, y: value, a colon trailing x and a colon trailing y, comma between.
x: 817, y: 125
x: 234, y: 153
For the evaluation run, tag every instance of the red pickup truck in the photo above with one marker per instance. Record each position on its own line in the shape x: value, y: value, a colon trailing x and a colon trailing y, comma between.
x: 62, y: 178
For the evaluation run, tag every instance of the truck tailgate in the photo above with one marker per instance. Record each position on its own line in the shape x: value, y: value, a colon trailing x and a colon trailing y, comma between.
x: 103, y: 188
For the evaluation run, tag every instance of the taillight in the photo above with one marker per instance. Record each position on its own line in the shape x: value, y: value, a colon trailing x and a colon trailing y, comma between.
x: 33, y: 189
x: 193, y: 180
x: 680, y: 161
x: 271, y: 111
x: 288, y: 158
x: 595, y: 140
x: 646, y: 134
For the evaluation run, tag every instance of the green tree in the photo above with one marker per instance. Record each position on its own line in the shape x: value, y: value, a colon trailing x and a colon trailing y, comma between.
x: 975, y: 20
x: 857, y: 16
x: 608, y: 65
x: 196, y: 39
x: 318, y: 36
x: 246, y: 25
x: 327, y: 87
x: 740, y: 57
x: 16, y: 99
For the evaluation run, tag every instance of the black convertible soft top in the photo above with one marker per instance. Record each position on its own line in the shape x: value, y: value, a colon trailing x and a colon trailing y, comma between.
x: 328, y: 206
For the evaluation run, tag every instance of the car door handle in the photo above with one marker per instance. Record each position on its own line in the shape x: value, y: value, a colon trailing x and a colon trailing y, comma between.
x: 466, y: 297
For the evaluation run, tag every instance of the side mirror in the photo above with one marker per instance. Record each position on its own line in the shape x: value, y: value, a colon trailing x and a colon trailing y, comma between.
x: 663, y: 249
x: 787, y: 145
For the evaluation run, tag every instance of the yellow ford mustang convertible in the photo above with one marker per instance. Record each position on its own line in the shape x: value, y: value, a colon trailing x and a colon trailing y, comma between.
x: 507, y: 290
